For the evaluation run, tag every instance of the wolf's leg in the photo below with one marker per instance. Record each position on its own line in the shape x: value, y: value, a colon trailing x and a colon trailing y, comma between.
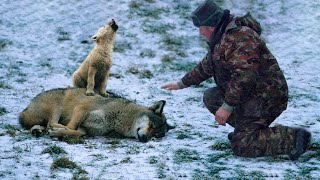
x: 103, y: 86
x: 90, y: 86
x: 53, y: 121
x: 78, y: 115
x: 60, y: 132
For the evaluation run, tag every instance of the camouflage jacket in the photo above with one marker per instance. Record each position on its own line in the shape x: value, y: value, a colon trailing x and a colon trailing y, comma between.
x: 242, y: 66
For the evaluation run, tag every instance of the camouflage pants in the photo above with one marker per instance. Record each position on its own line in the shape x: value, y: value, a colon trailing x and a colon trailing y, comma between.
x: 252, y: 135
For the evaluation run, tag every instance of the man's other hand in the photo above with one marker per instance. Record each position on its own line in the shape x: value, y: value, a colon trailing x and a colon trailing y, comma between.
x: 222, y: 116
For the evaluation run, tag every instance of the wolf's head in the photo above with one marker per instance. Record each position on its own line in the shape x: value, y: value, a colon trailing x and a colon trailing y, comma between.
x: 106, y: 34
x: 152, y: 123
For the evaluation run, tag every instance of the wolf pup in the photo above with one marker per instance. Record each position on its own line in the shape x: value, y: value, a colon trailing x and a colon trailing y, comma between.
x: 69, y: 112
x: 93, y: 73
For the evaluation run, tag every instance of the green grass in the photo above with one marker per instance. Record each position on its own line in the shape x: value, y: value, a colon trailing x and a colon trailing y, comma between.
x: 274, y: 159
x: 21, y: 80
x: 11, y: 130
x: 4, y: 85
x: 183, y: 135
x: 214, y: 158
x: 315, y: 146
x: 194, y: 99
x: 72, y: 140
x: 126, y: 160
x: 141, y: 73
x: 290, y: 174
x: 122, y: 46
x: 167, y: 58
x: 213, y: 171
x: 136, y: 4
x: 257, y: 175
x: 3, y: 111
x: 304, y: 171
x: 4, y: 43
x: 99, y: 157
x: 156, y: 27
x: 185, y: 155
x: 145, y: 9
x: 245, y: 174
x: 221, y: 145
x: 219, y: 2
x: 63, y: 35
x: 178, y: 66
x: 151, y: 12
x: 293, y: 95
x: 153, y: 160
x: 183, y: 10
x: 199, y: 174
x: 170, y: 40
x: 114, y: 143
x: 147, y: 53
x: 175, y: 44
x: 133, y: 149
x: 161, y: 170
x: 64, y: 162
x: 54, y: 150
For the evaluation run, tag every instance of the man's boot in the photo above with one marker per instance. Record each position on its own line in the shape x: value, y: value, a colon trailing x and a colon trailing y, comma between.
x: 302, y: 142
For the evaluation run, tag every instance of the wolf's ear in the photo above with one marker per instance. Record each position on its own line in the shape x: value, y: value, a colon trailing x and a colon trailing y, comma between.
x: 157, y: 107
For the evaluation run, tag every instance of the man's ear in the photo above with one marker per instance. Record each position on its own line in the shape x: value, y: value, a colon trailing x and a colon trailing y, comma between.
x: 157, y: 107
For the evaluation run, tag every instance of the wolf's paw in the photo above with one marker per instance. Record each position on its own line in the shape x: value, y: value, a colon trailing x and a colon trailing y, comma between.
x: 37, y: 130
x: 90, y: 93
x: 57, y: 132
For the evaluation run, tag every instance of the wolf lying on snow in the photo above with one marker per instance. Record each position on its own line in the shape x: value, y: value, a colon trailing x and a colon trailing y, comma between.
x: 69, y: 112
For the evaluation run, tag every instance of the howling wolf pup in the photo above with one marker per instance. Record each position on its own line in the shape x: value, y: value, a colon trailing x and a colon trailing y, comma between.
x: 93, y: 73
x: 69, y: 112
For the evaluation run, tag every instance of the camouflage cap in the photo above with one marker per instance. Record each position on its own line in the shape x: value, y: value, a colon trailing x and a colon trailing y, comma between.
x: 207, y: 14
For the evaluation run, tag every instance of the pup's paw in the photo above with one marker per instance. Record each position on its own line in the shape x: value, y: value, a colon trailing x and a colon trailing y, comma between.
x: 104, y: 94
x: 90, y: 93
x: 57, y: 132
x: 37, y: 130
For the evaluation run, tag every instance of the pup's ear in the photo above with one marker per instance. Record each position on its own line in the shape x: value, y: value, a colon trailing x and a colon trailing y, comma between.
x: 157, y: 107
x: 94, y: 38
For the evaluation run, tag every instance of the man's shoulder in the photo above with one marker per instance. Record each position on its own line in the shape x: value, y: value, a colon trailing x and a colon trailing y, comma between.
x: 241, y: 30
x: 241, y: 34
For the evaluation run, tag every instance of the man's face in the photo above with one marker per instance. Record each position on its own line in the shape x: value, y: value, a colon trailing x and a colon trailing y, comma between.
x: 206, y: 31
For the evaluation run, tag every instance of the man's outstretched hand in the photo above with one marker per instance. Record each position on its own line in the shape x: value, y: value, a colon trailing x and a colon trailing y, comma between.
x: 171, y: 86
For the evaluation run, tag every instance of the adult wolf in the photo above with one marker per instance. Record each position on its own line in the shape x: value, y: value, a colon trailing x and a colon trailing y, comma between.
x: 69, y: 112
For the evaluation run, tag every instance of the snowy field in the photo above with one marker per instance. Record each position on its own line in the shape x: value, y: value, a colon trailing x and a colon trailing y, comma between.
x: 42, y: 42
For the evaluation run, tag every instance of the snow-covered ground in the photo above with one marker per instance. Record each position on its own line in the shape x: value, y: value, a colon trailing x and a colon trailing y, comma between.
x: 42, y: 42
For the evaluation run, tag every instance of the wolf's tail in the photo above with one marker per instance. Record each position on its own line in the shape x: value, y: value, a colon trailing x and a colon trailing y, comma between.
x: 23, y: 120
x: 27, y: 120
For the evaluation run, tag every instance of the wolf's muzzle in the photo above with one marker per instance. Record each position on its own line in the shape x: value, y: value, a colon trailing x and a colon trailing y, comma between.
x: 143, y: 137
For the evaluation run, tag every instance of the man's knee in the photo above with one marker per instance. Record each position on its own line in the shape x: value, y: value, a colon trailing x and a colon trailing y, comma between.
x: 212, y: 99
